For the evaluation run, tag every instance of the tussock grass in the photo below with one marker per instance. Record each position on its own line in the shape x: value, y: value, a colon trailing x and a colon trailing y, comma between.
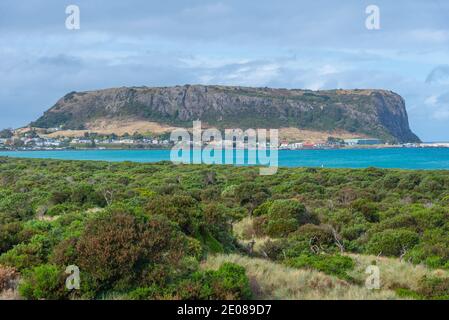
x: 271, y: 280
x: 394, y: 273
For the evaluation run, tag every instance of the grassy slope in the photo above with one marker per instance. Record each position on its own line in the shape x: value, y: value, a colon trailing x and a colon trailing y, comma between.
x: 271, y: 280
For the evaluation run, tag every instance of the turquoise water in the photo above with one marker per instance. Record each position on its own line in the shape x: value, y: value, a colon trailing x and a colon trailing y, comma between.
x: 404, y: 158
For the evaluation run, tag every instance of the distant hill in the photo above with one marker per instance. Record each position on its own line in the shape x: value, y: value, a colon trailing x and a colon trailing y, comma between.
x: 370, y: 113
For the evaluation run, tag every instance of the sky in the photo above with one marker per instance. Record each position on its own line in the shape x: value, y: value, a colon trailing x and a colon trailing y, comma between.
x: 320, y: 44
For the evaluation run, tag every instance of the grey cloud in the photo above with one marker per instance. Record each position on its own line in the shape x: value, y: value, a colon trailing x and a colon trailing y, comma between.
x: 438, y: 75
x: 61, y: 60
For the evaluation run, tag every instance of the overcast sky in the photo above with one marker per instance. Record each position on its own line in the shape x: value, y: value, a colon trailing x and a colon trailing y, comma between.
x: 291, y: 44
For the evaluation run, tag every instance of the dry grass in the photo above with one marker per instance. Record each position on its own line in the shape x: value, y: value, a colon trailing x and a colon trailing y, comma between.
x: 118, y: 127
x: 270, y: 280
x: 393, y: 272
x: 10, y: 295
x: 279, y: 282
x: 122, y: 126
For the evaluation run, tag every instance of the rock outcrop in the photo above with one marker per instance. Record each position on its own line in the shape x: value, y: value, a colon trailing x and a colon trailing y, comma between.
x: 375, y: 113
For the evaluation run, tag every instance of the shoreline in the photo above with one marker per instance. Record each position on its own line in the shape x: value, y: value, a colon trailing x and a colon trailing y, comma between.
x: 386, y: 147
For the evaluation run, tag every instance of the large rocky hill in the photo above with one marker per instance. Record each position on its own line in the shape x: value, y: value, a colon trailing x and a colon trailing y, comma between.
x: 370, y: 113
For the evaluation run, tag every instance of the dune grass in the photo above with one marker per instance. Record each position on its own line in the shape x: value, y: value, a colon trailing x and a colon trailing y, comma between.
x: 394, y: 273
x: 271, y: 280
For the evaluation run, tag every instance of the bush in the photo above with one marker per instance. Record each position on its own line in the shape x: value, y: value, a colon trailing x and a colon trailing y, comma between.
x: 392, y: 242
x: 263, y: 209
x: 367, y: 208
x: 147, y: 293
x: 60, y: 196
x: 64, y: 253
x: 43, y: 282
x: 229, y: 282
x: 180, y: 209
x: 86, y: 194
x: 318, y: 234
x: 274, y: 250
x: 122, y: 246
x: 259, y: 225
x: 60, y: 209
x: 218, y: 223
x: 336, y: 265
x: 284, y: 217
x: 9, y: 235
x: 434, y: 288
x: 27, y: 255
x: 433, y: 249
x: 353, y: 232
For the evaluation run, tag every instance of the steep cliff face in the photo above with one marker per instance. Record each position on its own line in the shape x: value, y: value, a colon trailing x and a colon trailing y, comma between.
x: 375, y: 113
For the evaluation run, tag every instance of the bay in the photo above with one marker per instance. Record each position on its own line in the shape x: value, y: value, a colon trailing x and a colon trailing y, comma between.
x: 402, y: 158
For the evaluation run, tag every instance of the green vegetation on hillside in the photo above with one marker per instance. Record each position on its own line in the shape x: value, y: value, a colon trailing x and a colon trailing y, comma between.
x: 165, y: 231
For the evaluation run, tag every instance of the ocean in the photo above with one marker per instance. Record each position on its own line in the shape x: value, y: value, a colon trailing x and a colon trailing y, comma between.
x: 401, y: 158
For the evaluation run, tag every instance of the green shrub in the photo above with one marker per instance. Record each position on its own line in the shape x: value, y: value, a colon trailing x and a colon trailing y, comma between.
x: 319, y: 234
x: 353, y: 232
x: 27, y: 255
x: 43, y: 282
x: 64, y: 253
x: 285, y: 216
x: 86, y: 194
x: 229, y: 282
x: 433, y: 249
x: 434, y: 288
x: 9, y: 235
x: 217, y: 222
x: 336, y: 265
x: 60, y: 209
x: 60, y: 196
x: 274, y: 250
x: 263, y: 209
x: 180, y: 209
x: 146, y: 293
x: 392, y: 242
x: 250, y: 195
x: 367, y: 208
